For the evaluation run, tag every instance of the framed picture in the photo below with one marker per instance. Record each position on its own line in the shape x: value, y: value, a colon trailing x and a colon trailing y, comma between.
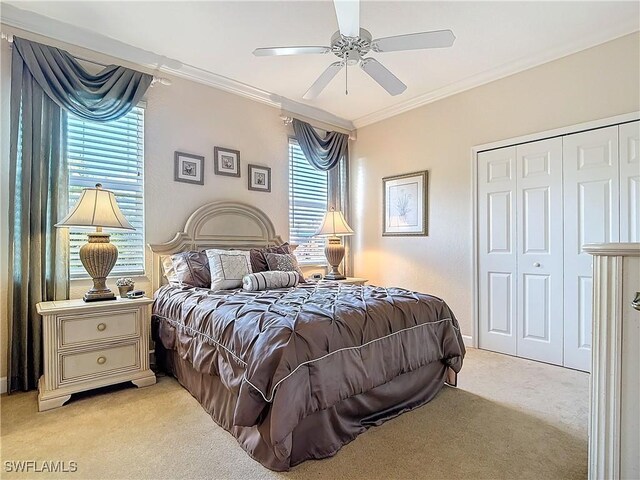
x: 226, y: 162
x: 188, y: 168
x: 259, y: 178
x: 405, y: 204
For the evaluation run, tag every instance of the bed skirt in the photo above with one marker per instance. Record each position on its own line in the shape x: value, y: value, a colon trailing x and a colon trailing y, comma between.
x: 322, y: 433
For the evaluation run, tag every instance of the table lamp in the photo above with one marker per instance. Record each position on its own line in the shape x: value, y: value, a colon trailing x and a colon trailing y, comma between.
x: 97, y: 208
x: 334, y: 226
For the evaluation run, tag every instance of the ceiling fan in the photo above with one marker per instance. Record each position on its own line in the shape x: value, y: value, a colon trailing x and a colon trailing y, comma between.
x: 351, y: 43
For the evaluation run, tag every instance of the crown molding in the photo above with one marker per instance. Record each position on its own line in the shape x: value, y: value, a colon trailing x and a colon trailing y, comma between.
x: 220, y: 82
x: 506, y: 70
x: 90, y: 40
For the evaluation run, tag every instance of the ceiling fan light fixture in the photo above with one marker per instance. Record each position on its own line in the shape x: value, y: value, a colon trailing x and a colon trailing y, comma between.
x: 340, y: 44
x: 351, y: 58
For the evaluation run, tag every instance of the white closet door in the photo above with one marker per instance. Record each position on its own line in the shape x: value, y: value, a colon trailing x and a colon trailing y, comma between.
x: 497, y: 247
x: 630, y: 182
x: 540, y: 251
x: 591, y: 215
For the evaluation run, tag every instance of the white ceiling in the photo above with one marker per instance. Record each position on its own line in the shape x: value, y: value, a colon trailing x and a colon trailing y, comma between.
x: 494, y: 39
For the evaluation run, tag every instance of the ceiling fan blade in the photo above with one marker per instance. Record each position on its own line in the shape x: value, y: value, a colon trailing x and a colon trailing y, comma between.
x: 348, y: 13
x: 323, y: 80
x: 384, y: 77
x: 271, y: 51
x: 415, y: 41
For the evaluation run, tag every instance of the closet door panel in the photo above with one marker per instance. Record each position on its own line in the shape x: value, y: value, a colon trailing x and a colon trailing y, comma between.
x: 539, y: 245
x: 497, y: 259
x: 591, y: 215
x: 630, y: 182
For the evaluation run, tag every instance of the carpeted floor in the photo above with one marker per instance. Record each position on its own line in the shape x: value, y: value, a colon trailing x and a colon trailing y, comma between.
x: 509, y: 419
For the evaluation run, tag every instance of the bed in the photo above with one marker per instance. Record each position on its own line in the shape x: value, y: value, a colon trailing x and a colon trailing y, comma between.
x: 296, y: 373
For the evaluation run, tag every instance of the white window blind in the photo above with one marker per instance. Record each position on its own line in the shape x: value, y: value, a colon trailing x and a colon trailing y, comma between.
x: 110, y: 153
x: 308, y: 195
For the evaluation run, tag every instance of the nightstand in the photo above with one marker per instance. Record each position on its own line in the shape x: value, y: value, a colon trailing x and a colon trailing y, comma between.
x: 353, y: 281
x: 91, y: 345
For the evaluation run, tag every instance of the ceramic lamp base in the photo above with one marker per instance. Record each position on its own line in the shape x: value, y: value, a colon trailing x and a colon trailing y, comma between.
x: 334, y: 251
x: 98, y: 297
x: 332, y: 276
x: 98, y: 257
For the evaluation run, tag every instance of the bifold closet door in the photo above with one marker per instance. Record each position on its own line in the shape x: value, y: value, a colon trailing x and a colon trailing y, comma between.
x: 630, y: 182
x: 497, y: 250
x: 591, y: 215
x: 540, y: 250
x: 520, y: 245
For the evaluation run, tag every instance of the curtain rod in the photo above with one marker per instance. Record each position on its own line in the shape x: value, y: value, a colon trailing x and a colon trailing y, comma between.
x: 161, y: 80
x: 287, y: 119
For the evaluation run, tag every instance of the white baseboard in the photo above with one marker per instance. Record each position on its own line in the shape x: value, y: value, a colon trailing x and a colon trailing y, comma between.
x: 468, y: 340
x: 3, y: 385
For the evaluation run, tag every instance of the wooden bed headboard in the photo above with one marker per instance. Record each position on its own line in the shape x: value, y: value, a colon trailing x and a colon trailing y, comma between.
x: 216, y: 225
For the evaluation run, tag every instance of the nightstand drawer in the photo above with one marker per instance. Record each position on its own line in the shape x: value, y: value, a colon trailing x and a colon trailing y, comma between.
x: 79, y: 329
x: 99, y: 362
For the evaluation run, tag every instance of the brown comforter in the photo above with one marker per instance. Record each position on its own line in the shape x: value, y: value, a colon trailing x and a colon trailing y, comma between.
x: 291, y: 352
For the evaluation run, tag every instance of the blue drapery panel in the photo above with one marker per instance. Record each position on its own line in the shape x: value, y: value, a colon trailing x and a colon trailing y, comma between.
x: 44, y: 82
x: 322, y: 153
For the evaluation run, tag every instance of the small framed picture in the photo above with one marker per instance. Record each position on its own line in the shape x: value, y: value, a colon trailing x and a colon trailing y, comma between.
x: 259, y: 178
x: 405, y: 204
x: 226, y: 162
x: 188, y: 168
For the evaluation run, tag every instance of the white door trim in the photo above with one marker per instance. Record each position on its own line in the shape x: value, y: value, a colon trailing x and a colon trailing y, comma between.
x: 581, y: 127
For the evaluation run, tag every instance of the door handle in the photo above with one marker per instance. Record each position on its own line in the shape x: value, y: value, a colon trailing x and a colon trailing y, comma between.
x: 635, y: 303
x: 536, y: 264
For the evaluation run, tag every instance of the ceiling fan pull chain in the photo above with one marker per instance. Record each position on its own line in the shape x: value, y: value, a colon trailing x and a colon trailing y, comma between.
x: 346, y: 79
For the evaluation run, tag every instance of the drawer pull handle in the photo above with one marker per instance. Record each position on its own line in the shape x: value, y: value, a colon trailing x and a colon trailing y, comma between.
x: 102, y: 327
x: 102, y: 360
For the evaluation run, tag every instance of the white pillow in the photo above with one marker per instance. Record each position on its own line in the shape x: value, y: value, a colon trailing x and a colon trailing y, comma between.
x: 228, y: 267
x: 168, y: 270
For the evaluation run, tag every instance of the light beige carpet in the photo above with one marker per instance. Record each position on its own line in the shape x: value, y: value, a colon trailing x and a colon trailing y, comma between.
x: 509, y: 419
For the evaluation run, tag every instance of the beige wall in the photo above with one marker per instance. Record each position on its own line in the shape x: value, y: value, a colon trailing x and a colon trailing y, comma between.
x: 189, y: 117
x: 193, y: 118
x: 600, y: 82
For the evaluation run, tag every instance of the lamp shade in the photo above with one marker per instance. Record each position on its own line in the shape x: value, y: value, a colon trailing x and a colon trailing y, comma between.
x: 96, y: 208
x: 334, y: 225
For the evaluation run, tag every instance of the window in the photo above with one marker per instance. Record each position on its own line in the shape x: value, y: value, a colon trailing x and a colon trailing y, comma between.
x: 110, y: 153
x: 308, y: 195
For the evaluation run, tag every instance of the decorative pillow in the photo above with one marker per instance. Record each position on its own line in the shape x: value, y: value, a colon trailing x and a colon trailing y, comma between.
x: 284, y: 263
x: 258, y: 260
x: 266, y: 280
x: 192, y: 269
x: 228, y: 267
x: 168, y: 270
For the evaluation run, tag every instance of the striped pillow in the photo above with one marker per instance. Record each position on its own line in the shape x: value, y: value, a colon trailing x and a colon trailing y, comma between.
x: 266, y: 280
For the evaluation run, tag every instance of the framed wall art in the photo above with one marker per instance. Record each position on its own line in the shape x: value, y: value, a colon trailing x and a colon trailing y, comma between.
x: 188, y: 168
x: 405, y: 204
x: 259, y: 178
x: 226, y: 162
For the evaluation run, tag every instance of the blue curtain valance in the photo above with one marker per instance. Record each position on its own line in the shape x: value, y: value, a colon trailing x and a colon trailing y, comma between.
x: 108, y: 95
x: 323, y: 153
